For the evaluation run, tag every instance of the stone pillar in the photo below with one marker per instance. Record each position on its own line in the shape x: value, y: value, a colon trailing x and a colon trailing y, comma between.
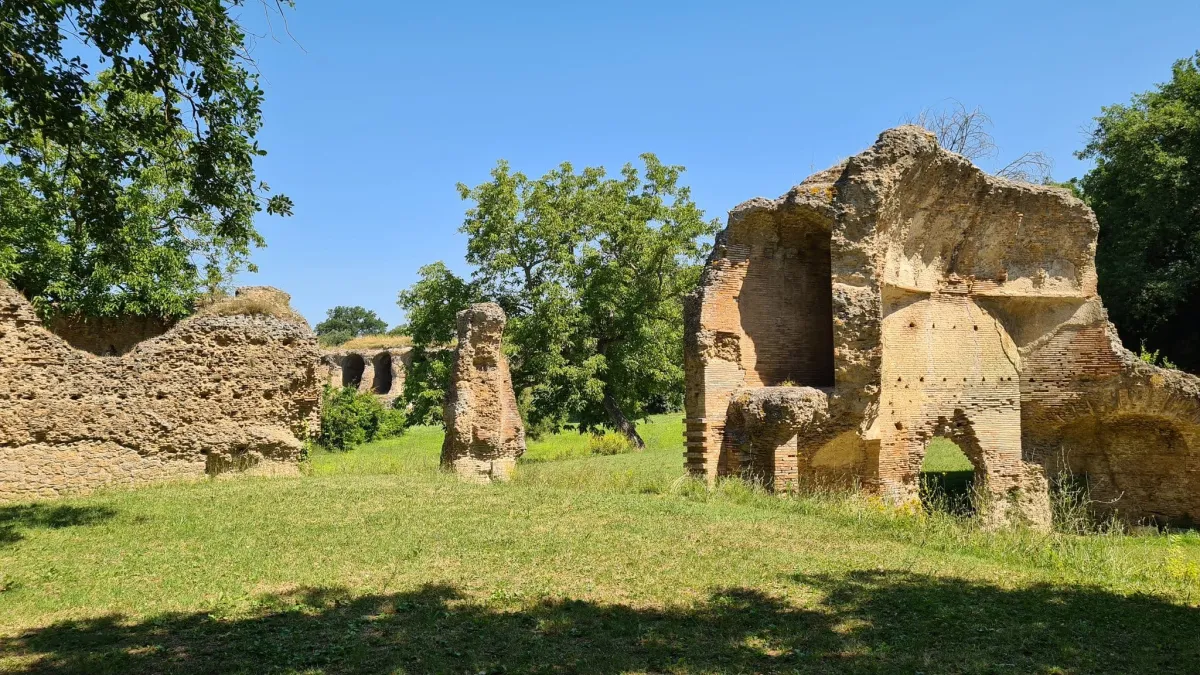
x: 484, y: 432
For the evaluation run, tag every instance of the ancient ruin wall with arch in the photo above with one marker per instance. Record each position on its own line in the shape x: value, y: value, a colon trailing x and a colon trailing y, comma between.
x: 905, y: 294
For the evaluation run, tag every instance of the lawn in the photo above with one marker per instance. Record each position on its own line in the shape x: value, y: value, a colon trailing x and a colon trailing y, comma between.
x: 374, y: 561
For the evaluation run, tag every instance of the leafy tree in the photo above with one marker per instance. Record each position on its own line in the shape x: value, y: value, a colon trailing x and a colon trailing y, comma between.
x: 1145, y: 189
x: 432, y: 304
x: 591, y: 271
x: 343, y: 323
x: 131, y: 190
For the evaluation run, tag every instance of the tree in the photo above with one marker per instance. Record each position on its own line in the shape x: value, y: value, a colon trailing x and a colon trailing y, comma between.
x: 591, y: 271
x: 967, y: 132
x: 1145, y: 190
x: 432, y: 305
x: 343, y: 323
x: 131, y: 191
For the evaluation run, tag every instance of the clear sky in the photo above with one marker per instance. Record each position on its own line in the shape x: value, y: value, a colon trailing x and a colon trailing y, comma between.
x: 380, y: 107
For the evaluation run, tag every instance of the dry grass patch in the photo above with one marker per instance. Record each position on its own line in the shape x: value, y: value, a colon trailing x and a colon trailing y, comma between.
x: 377, y: 342
x: 266, y: 304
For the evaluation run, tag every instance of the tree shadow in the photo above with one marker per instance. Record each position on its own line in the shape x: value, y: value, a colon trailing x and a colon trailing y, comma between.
x: 866, y: 622
x: 13, y: 519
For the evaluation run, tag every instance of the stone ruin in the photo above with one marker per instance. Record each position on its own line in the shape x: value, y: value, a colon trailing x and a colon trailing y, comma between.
x: 378, y: 371
x: 484, y: 432
x: 218, y: 392
x: 905, y: 294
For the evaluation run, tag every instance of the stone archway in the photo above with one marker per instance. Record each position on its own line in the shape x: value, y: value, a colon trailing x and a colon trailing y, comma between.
x: 382, y: 363
x: 353, y: 366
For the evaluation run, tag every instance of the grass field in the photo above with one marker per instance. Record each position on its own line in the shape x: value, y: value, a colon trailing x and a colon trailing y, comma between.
x: 376, y: 562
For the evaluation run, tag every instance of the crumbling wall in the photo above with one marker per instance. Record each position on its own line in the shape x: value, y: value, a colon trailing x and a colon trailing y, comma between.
x: 484, y: 431
x: 963, y: 305
x: 216, y: 393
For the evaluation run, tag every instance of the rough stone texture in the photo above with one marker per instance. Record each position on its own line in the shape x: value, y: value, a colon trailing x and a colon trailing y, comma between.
x: 920, y: 296
x: 108, y: 336
x: 214, y: 394
x: 484, y: 432
x: 379, y: 371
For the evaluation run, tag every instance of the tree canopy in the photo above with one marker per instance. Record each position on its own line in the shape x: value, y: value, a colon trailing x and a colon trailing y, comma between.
x: 131, y: 188
x: 343, y: 323
x: 1145, y: 190
x: 591, y: 270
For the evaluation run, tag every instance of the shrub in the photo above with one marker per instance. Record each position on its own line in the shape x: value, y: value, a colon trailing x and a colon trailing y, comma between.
x: 1154, y: 359
x: 350, y: 418
x: 608, y: 443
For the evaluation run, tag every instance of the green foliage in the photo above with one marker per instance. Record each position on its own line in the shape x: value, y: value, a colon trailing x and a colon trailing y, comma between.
x: 608, y: 443
x: 431, y: 305
x: 350, y: 418
x: 591, y: 271
x: 133, y: 190
x: 343, y: 323
x: 1145, y: 189
x: 1153, y: 358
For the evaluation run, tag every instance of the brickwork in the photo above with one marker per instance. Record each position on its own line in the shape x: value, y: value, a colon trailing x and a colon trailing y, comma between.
x: 908, y: 295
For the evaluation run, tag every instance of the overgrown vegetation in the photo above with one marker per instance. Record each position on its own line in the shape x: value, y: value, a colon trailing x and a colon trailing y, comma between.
x: 378, y: 342
x: 344, y: 323
x: 1145, y: 190
x: 379, y: 562
x: 350, y: 418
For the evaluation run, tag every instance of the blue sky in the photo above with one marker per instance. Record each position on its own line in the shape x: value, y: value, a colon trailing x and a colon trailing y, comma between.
x: 380, y: 107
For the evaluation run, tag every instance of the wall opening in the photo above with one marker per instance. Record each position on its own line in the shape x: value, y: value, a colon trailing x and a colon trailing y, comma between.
x: 383, y: 373
x: 947, y: 478
x: 352, y: 370
x: 786, y: 309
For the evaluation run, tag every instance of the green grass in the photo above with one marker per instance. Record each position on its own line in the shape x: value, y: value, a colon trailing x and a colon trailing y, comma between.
x: 376, y: 562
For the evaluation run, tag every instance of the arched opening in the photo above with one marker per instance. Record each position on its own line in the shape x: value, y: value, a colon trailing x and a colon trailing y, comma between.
x: 785, y: 307
x: 947, y: 478
x: 383, y: 373
x: 352, y: 370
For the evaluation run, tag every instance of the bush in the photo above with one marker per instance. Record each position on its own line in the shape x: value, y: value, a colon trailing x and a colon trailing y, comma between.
x: 350, y: 418
x: 608, y: 443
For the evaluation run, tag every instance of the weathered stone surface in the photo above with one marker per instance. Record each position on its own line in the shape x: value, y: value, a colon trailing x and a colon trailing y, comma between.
x: 378, y: 371
x: 929, y: 298
x: 214, y: 394
x: 484, y: 432
x: 767, y: 423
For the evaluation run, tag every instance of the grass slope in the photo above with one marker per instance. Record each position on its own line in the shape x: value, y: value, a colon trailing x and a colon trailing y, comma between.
x: 376, y: 562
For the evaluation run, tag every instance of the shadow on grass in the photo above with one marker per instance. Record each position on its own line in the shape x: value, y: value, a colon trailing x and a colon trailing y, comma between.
x: 863, y: 622
x: 13, y: 519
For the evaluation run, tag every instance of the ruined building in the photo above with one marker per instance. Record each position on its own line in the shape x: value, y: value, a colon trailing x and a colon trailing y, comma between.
x: 484, y: 432
x: 378, y: 371
x: 221, y: 391
x: 905, y: 294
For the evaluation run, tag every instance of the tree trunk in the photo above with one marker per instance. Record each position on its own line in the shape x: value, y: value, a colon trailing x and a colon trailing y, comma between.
x: 622, y: 424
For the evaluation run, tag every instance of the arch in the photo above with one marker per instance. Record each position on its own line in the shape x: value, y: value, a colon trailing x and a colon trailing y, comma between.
x: 948, y: 477
x: 383, y: 373
x: 352, y: 370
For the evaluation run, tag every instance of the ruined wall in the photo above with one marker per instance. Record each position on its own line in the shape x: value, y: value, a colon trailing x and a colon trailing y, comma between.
x: 377, y: 371
x: 963, y: 305
x: 484, y: 431
x: 106, y: 335
x: 216, y: 393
